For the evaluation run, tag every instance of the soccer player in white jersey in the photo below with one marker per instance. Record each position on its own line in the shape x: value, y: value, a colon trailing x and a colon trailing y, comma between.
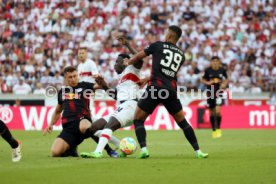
x: 87, y: 68
x: 126, y: 96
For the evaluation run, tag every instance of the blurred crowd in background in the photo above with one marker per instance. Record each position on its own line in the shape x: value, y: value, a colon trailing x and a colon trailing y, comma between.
x: 39, y: 38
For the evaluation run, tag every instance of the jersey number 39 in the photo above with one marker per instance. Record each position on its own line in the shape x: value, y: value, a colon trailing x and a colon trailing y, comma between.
x: 171, y: 56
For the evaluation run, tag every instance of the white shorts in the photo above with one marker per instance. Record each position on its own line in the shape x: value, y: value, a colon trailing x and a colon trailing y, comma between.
x: 124, y: 113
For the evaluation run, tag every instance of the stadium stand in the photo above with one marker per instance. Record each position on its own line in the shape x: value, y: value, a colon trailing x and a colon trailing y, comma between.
x: 38, y: 39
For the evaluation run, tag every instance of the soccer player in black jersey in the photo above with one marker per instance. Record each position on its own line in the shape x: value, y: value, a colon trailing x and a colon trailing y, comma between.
x: 73, y: 101
x: 215, y: 78
x: 15, y: 145
x: 166, y: 61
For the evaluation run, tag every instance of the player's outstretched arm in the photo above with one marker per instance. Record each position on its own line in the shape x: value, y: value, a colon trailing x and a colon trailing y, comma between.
x: 54, y: 119
x: 126, y: 43
x: 224, y: 84
x: 136, y: 58
x: 143, y: 82
x: 103, y: 85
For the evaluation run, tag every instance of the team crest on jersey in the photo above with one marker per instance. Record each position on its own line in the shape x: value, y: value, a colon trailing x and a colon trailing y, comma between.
x: 71, y: 96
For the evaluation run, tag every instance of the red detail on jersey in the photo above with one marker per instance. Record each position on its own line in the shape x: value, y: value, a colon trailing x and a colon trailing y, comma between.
x: 64, y: 120
x: 72, y: 106
x: 159, y: 82
x: 106, y: 136
x: 173, y: 83
x: 86, y: 74
x: 130, y: 76
x: 87, y: 102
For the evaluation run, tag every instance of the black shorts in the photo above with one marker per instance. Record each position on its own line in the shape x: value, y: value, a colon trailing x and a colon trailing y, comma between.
x: 213, y: 102
x: 71, y: 133
x: 151, y: 99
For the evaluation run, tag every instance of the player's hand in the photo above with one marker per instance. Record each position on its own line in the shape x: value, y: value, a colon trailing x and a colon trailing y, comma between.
x: 100, y: 81
x: 143, y: 82
x: 223, y: 86
x: 209, y: 83
x: 125, y: 62
x: 216, y: 81
x: 48, y: 130
x: 122, y: 40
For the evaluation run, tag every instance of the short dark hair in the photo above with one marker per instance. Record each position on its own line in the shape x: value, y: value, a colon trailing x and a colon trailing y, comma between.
x: 124, y: 55
x: 177, y: 30
x: 82, y: 48
x: 215, y: 58
x: 69, y: 69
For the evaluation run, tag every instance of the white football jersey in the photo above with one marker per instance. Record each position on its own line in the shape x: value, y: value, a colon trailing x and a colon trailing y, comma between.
x: 86, y: 70
x: 127, y: 87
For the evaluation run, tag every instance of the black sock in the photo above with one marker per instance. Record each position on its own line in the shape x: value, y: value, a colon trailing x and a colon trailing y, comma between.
x: 6, y: 134
x: 218, y: 121
x: 213, y: 122
x: 189, y: 133
x: 107, y: 148
x: 140, y: 132
x: 72, y: 152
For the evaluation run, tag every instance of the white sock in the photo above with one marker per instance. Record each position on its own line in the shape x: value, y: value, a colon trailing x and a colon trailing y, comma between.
x: 144, y: 149
x: 197, y: 151
x: 113, y: 140
x: 98, y: 133
x: 105, y: 136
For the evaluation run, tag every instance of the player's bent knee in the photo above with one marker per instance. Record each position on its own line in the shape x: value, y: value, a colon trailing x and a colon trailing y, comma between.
x: 55, y: 153
x: 140, y: 114
x: 113, y: 124
x: 179, y: 116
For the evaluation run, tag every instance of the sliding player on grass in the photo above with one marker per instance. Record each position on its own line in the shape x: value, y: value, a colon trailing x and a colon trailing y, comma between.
x: 73, y: 101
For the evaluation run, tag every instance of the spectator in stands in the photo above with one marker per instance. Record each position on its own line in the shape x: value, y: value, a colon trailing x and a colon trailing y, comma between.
x: 254, y: 89
x: 188, y: 15
x: 249, y: 14
x: 3, y: 86
x: 244, y: 80
x: 237, y: 88
x: 39, y: 90
x: 22, y: 88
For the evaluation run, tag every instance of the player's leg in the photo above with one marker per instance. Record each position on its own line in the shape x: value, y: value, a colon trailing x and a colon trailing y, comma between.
x: 140, y: 131
x: 174, y: 107
x: 146, y: 106
x: 7, y: 136
x: 112, y: 125
x: 218, y: 121
x: 120, y: 118
x: 113, y: 140
x: 88, y: 129
x: 213, y: 119
x: 67, y: 141
x: 59, y: 147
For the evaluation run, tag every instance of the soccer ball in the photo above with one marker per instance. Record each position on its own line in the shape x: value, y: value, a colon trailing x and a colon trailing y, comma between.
x: 128, y: 145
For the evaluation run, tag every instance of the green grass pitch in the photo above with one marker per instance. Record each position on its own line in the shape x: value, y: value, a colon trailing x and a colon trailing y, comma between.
x: 240, y: 156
